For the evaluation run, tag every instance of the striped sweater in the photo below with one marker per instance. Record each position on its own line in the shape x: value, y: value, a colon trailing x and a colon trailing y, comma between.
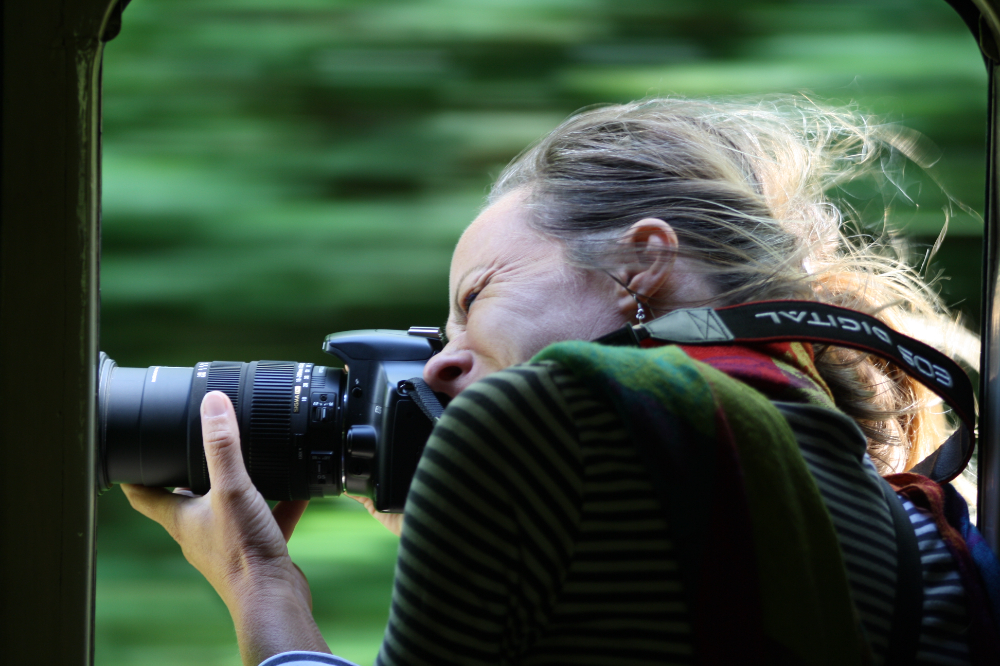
x: 533, y: 536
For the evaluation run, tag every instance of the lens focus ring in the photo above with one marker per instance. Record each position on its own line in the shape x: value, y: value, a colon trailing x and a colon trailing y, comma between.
x: 222, y: 376
x: 225, y: 378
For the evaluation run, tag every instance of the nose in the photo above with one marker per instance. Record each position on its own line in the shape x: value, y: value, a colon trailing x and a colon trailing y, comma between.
x: 449, y: 371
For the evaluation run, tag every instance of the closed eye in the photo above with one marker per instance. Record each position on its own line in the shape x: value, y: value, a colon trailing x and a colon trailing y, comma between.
x: 467, y: 302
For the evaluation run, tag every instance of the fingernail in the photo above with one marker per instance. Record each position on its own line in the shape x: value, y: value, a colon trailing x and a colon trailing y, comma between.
x: 214, y: 404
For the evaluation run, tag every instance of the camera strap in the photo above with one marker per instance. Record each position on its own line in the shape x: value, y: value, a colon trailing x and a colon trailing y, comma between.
x: 425, y: 398
x: 806, y: 321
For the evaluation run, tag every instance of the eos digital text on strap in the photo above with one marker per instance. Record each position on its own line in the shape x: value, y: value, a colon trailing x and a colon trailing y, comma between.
x: 806, y: 321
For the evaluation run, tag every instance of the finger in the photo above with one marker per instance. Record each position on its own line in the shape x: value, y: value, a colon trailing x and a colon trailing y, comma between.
x: 390, y: 521
x: 222, y: 444
x: 158, y: 504
x: 367, y: 503
x: 287, y: 515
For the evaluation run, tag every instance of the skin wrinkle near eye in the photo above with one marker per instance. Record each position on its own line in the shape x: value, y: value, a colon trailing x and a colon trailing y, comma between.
x: 495, y: 273
x: 456, y: 305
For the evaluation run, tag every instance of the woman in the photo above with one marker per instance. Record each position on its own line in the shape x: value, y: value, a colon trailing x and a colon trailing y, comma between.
x: 658, y: 505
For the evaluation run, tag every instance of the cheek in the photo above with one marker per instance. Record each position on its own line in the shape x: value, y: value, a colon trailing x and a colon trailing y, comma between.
x: 510, y: 327
x: 569, y: 320
x: 586, y: 312
x: 491, y: 335
x: 500, y: 337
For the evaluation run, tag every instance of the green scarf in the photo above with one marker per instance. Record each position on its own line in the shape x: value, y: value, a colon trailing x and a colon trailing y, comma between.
x: 760, y: 560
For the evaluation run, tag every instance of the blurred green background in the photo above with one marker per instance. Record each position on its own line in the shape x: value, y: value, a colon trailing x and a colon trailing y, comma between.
x: 275, y: 170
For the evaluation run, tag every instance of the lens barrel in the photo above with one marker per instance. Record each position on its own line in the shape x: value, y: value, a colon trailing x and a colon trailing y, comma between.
x: 150, y: 407
x: 149, y: 425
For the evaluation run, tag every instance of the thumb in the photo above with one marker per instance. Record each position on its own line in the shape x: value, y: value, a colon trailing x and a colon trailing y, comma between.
x: 221, y: 434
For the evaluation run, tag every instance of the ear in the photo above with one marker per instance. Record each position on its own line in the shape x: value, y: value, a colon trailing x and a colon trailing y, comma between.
x: 649, y: 259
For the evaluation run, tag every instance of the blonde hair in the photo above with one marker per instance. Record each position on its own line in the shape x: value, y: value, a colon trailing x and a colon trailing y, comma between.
x: 748, y: 188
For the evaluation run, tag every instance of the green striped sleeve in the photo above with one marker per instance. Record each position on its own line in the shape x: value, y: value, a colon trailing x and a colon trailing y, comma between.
x: 532, y: 535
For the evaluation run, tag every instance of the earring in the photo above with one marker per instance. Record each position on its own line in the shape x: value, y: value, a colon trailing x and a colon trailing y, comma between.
x: 640, y: 313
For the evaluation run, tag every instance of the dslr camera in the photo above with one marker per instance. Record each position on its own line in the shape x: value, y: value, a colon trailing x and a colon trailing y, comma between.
x: 306, y: 430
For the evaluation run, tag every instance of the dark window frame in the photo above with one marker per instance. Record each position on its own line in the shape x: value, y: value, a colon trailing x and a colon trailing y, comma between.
x: 49, y: 292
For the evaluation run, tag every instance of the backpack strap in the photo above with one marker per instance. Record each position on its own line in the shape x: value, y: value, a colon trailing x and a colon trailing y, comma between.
x: 907, y: 614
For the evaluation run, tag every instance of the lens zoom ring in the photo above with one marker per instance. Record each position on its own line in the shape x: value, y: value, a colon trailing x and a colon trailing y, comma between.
x: 271, y: 427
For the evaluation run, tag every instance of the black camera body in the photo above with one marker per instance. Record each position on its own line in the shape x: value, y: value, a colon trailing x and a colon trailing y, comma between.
x: 306, y: 430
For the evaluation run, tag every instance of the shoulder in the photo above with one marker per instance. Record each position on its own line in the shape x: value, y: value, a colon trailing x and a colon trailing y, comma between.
x: 522, y: 412
x: 522, y: 400
x: 545, y: 379
x: 517, y: 436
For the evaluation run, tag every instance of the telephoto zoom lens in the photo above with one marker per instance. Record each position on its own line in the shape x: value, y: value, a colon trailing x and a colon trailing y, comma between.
x: 289, y: 415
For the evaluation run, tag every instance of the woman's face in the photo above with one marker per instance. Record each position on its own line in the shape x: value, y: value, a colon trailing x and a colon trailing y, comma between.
x: 512, y: 294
